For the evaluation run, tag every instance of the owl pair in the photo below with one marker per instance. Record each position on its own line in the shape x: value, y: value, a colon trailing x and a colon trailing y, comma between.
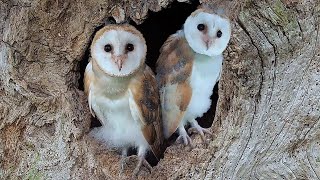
x: 136, y: 108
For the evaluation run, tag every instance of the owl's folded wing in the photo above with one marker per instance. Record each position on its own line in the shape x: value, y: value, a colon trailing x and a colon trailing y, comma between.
x: 174, y: 68
x: 88, y: 79
x: 145, y: 108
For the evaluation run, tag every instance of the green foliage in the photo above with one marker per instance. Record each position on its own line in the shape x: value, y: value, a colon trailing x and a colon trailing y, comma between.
x: 284, y: 17
x: 34, y: 173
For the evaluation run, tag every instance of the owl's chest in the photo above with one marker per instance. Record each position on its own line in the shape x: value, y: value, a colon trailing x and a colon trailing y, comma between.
x: 112, y: 111
x: 205, y: 74
x: 119, y: 128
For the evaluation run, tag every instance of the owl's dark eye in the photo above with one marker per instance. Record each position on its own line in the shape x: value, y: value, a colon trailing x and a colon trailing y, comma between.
x: 201, y: 27
x: 129, y: 47
x: 107, y: 48
x: 219, y: 34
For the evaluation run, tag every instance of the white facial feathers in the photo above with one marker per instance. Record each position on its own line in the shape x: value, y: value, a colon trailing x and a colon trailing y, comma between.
x: 207, y: 33
x: 119, y: 52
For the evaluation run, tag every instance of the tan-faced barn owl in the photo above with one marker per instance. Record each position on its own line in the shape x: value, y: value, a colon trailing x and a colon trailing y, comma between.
x: 188, y: 67
x: 123, y: 94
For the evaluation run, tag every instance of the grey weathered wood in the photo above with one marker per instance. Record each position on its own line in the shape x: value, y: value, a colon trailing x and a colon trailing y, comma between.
x: 267, y: 120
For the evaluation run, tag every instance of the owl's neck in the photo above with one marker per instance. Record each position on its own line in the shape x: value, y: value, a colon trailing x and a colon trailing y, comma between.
x: 107, y: 85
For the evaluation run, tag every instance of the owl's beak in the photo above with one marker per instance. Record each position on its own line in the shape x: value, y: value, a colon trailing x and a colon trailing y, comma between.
x: 208, y: 41
x: 119, y: 61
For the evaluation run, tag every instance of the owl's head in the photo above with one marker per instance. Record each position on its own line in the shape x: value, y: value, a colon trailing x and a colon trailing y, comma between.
x: 207, y: 33
x: 118, y: 50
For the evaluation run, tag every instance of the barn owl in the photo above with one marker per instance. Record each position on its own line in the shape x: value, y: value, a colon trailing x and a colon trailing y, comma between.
x: 122, y: 93
x: 188, y: 67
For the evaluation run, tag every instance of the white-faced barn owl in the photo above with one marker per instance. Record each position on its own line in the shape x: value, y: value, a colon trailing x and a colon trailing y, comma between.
x: 123, y: 94
x: 188, y: 67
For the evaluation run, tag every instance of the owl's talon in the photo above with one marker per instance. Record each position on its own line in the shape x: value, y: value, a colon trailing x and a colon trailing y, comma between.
x: 123, y: 161
x: 201, y: 131
x: 196, y: 128
x: 142, y: 161
x: 186, y: 140
x: 122, y: 164
x: 184, y: 137
x: 178, y: 140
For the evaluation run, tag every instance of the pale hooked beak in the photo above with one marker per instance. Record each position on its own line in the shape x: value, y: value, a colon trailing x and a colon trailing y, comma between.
x: 119, y: 61
x: 208, y: 41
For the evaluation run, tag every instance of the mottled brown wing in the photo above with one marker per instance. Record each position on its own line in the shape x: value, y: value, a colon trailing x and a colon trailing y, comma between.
x: 88, y: 79
x: 174, y: 68
x: 146, y: 107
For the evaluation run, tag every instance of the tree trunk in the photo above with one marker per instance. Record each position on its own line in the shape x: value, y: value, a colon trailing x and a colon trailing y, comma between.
x: 267, y: 119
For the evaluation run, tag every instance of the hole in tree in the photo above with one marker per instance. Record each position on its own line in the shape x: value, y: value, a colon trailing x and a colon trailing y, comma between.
x: 160, y: 25
x: 156, y: 29
x: 207, y: 119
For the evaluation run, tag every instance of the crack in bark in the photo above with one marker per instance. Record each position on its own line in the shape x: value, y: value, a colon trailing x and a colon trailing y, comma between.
x: 275, y: 60
x: 14, y: 49
x: 257, y: 95
x: 249, y: 138
x: 286, y: 121
x: 313, y: 169
x: 288, y: 113
x: 284, y: 33
x: 16, y: 5
x: 24, y: 56
x: 207, y: 166
x: 50, y: 48
x: 273, y: 77
x: 302, y: 37
x: 281, y: 130
x: 313, y: 126
x: 292, y: 172
x: 259, y: 54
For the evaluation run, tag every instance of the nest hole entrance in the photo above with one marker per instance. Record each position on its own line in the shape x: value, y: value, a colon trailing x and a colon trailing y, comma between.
x: 156, y: 29
x: 160, y: 25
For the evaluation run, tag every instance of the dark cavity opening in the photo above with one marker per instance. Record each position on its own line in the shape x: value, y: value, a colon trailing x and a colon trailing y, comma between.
x: 160, y: 25
x: 156, y: 29
x: 85, y: 60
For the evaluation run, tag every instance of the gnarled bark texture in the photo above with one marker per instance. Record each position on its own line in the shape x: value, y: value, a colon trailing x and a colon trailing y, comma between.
x: 267, y: 120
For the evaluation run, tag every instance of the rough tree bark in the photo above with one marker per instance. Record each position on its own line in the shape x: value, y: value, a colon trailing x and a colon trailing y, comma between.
x: 267, y: 120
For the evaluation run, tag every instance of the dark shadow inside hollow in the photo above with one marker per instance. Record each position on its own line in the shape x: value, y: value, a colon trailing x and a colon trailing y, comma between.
x: 156, y: 29
x: 207, y: 119
x: 160, y: 25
